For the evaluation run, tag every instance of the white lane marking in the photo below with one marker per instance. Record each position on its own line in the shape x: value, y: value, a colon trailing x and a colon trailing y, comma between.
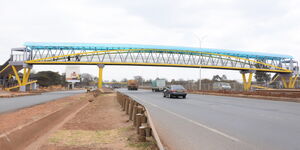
x: 192, y: 121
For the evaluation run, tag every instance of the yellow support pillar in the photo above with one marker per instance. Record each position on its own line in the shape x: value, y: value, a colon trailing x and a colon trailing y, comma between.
x: 284, y: 82
x: 16, y: 75
x: 294, y: 81
x: 26, y: 76
x: 10, y: 76
x: 274, y: 79
x: 290, y: 82
x: 100, y: 74
x: 100, y: 78
x: 249, y: 81
x: 244, y: 81
x: 247, y: 84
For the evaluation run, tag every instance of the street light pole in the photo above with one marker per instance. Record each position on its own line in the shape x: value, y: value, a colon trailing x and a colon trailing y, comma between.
x: 200, y: 69
x: 200, y: 79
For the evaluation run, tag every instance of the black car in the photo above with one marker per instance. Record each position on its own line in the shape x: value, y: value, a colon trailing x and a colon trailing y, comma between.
x: 175, y: 91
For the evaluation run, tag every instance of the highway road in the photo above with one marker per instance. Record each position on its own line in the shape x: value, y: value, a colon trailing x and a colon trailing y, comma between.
x: 11, y: 104
x: 205, y: 122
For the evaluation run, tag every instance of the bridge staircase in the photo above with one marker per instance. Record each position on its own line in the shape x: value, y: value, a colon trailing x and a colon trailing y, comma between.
x: 11, y: 79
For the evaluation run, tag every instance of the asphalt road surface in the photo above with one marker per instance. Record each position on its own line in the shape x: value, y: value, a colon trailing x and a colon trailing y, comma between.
x: 205, y: 122
x: 11, y: 104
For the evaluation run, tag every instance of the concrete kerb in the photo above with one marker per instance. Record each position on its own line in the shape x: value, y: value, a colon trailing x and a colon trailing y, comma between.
x: 134, y: 112
x: 131, y: 109
x: 141, y: 119
x: 127, y: 106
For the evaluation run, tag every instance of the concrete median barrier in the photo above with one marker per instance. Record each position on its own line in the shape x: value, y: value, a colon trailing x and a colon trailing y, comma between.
x: 141, y: 118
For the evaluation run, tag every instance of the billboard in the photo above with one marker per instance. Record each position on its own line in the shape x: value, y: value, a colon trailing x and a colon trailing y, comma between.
x: 73, y: 73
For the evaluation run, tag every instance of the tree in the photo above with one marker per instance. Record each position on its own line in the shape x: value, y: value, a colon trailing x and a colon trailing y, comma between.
x: 219, y: 78
x: 173, y: 81
x: 216, y: 78
x: 48, y: 78
x: 124, y: 80
x: 87, y: 79
x: 262, y: 76
x: 63, y: 79
x: 140, y: 79
x: 224, y: 77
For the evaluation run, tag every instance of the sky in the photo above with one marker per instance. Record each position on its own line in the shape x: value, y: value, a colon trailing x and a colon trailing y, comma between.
x: 248, y: 25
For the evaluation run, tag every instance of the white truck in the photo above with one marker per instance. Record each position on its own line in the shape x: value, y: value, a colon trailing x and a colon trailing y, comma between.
x: 158, y: 85
x: 221, y: 86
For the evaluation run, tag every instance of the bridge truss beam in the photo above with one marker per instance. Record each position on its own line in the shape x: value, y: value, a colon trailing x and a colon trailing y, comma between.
x: 159, y: 57
x: 153, y: 57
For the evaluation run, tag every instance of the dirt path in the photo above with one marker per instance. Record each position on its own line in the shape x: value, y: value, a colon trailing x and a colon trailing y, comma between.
x: 101, y: 125
x: 12, y: 120
x: 38, y: 142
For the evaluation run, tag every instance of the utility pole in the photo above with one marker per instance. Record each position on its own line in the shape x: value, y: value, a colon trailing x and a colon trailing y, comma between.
x: 200, y: 79
x: 200, y: 69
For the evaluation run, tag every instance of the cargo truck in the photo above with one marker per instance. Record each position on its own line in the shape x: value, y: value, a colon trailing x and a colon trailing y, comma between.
x: 132, y: 85
x: 158, y: 85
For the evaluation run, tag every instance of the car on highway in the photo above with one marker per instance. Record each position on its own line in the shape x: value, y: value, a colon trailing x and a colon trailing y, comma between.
x: 175, y: 91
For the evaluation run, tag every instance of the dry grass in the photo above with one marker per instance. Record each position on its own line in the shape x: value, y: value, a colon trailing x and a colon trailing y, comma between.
x: 81, y: 138
x: 85, y: 137
x: 100, y: 125
x: 148, y: 145
x: 133, y: 142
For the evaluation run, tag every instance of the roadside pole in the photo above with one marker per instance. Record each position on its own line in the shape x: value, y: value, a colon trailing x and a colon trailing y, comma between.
x: 200, y: 46
x: 100, y: 75
x: 200, y: 79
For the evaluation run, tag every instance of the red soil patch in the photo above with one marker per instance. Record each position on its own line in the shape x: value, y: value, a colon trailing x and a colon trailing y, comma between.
x: 101, y: 119
x: 12, y: 120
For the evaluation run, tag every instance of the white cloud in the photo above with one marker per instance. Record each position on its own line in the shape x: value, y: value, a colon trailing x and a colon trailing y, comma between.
x: 253, y: 25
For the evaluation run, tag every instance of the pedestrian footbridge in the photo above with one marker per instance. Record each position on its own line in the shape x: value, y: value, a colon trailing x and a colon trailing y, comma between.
x: 36, y: 53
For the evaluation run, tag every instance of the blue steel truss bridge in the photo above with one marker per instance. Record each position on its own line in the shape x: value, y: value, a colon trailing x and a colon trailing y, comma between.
x: 36, y: 53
